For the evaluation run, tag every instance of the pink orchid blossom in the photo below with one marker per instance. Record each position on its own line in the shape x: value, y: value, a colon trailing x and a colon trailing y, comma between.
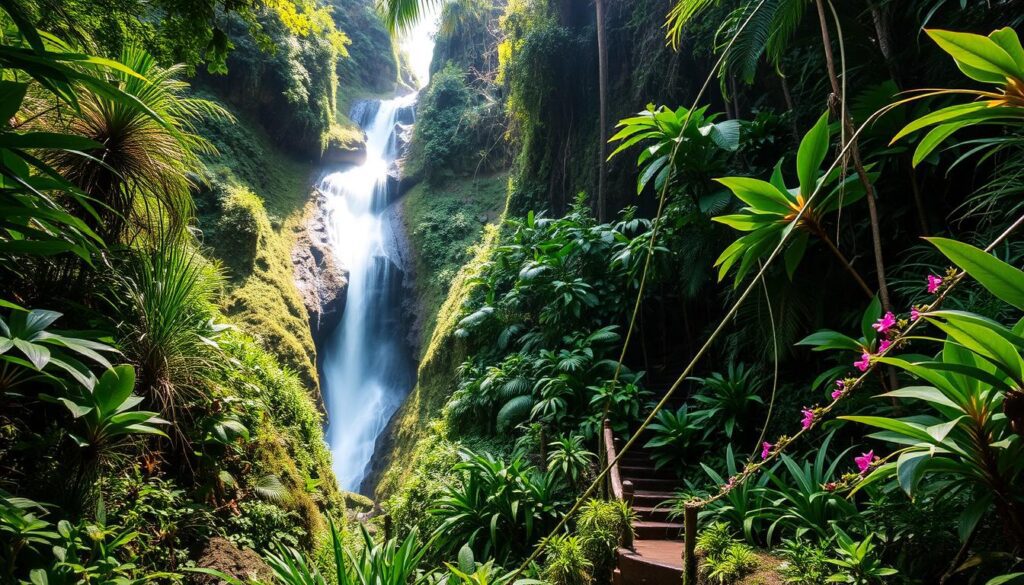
x: 766, y: 449
x: 808, y: 419
x: 840, y: 389
x: 864, y: 363
x: 884, y: 345
x: 915, y: 314
x: 934, y: 282
x: 886, y: 323
x: 865, y: 461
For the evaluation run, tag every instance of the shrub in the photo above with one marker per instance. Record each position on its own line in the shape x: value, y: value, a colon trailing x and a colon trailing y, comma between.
x: 737, y: 561
x: 566, y: 563
x: 602, y: 527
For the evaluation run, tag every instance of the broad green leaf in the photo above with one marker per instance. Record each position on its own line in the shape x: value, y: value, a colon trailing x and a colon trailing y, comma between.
x: 872, y: 314
x: 115, y: 386
x: 828, y: 339
x: 926, y: 393
x: 998, y: 277
x: 1008, y: 40
x: 910, y: 468
x: 813, y: 149
x: 934, y: 138
x: 979, y: 57
x: 795, y: 252
x: 972, y: 514
x: 760, y: 195
x: 12, y: 93
x: 897, y: 426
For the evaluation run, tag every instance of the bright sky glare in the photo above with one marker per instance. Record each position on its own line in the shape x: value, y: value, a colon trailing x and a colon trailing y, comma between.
x: 418, y: 44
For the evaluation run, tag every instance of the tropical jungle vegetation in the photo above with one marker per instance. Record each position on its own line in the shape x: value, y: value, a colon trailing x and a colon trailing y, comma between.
x: 771, y: 247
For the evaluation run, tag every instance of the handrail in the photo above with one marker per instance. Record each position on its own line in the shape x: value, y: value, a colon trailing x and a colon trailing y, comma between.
x: 614, y: 479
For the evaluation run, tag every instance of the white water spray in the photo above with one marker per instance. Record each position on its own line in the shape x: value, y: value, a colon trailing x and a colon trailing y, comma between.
x: 367, y: 370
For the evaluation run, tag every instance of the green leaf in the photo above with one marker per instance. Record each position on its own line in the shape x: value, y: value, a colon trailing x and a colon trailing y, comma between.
x: 828, y: 339
x: 872, y: 314
x: 12, y: 93
x: 115, y: 386
x: 1008, y: 40
x: 934, y: 138
x: 1011, y: 579
x: 998, y: 277
x: 897, y: 426
x: 758, y: 194
x: 979, y: 57
x: 973, y: 514
x: 795, y: 252
x: 813, y: 149
x: 910, y: 468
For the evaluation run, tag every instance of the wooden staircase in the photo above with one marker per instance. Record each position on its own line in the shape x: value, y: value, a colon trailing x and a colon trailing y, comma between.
x: 654, y: 557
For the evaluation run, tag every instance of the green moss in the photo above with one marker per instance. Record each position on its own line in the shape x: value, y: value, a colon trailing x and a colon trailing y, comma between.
x: 288, y: 439
x: 443, y: 224
x: 254, y: 204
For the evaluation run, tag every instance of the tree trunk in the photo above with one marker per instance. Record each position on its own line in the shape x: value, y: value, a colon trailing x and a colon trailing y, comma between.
x: 880, y: 18
x: 602, y: 75
x: 858, y: 165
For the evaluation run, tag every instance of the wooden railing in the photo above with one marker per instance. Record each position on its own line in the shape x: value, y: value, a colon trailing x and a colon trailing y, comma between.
x: 620, y: 490
x: 617, y: 489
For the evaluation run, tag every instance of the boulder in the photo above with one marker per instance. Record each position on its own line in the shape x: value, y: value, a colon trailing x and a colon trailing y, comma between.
x: 319, y: 276
x: 339, y: 154
x: 223, y: 555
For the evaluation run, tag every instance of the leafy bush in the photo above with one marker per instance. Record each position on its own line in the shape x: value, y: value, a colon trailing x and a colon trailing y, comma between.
x: 678, y: 437
x: 602, y: 527
x: 731, y: 396
x: 566, y: 563
x: 806, y: 562
x: 497, y: 508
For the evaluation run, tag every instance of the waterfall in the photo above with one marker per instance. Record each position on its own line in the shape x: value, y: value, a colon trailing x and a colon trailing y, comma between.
x: 367, y: 369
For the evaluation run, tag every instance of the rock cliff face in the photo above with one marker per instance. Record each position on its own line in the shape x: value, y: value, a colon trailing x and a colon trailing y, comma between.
x: 319, y: 275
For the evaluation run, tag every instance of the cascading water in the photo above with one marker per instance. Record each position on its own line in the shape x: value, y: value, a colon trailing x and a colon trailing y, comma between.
x: 367, y: 369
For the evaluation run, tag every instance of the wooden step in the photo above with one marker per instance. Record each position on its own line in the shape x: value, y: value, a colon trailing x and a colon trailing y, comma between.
x: 652, y: 530
x: 655, y: 484
x: 651, y: 498
x: 639, y: 470
x: 660, y: 513
x: 655, y: 562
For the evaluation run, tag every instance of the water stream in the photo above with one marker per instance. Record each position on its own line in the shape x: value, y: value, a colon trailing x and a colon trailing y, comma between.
x: 367, y: 369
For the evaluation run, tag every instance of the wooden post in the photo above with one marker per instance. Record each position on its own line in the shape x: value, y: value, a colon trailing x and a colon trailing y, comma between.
x: 689, y: 545
x: 627, y: 497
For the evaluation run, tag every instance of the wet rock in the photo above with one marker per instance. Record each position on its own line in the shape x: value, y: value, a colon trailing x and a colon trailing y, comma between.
x: 241, y: 563
x: 321, y: 279
x: 339, y: 154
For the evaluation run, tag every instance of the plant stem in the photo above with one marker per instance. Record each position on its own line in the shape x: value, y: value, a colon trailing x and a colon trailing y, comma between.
x: 843, y: 260
x: 858, y: 165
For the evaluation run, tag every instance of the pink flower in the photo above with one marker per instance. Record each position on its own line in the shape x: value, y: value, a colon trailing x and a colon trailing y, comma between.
x: 934, y: 282
x: 865, y: 461
x: 840, y: 388
x: 884, y: 345
x: 766, y: 449
x: 864, y: 363
x: 731, y: 483
x: 915, y: 314
x: 885, y: 323
x: 808, y: 419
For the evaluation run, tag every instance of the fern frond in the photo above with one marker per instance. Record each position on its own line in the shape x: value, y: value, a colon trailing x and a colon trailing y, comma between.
x: 515, y: 411
x: 269, y: 487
